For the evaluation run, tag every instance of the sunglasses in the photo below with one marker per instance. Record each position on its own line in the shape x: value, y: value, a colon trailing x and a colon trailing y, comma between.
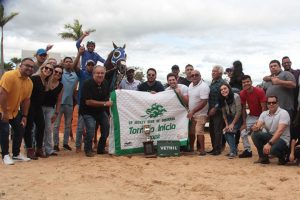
x: 272, y: 102
x: 29, y: 66
x: 58, y: 72
x: 48, y: 68
x: 195, y: 75
x: 151, y: 75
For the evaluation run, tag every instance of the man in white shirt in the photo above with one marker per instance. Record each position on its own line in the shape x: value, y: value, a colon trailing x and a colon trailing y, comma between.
x: 181, y: 90
x: 198, y: 93
x: 130, y: 83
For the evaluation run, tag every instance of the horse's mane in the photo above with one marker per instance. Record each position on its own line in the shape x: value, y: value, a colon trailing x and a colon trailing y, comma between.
x: 108, y: 65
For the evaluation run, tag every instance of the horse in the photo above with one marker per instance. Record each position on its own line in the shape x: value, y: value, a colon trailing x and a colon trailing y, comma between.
x: 115, y: 65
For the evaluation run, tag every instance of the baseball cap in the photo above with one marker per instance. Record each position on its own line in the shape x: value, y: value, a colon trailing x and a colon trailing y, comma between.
x: 41, y: 52
x: 90, y: 61
x: 230, y: 69
x: 130, y: 68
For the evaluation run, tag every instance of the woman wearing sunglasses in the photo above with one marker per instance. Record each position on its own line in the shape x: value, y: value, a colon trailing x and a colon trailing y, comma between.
x: 35, y: 114
x: 231, y: 109
x: 51, y: 107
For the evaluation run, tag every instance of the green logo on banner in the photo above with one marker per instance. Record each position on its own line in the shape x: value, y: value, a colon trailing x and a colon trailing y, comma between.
x: 156, y: 110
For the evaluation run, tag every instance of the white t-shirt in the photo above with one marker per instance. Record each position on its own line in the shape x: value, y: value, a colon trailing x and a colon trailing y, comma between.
x: 196, y: 94
x: 183, y: 89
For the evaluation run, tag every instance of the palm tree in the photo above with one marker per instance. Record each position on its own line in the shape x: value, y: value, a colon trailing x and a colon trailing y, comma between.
x: 74, y: 31
x: 3, y: 21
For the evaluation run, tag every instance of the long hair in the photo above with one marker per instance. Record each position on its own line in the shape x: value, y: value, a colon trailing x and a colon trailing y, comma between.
x: 229, y: 99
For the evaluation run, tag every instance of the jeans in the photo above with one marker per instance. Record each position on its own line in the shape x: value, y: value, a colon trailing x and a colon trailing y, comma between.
x: 36, y: 116
x: 230, y: 138
x: 79, y: 131
x: 278, y: 149
x: 67, y: 111
x: 216, y: 124
x: 48, y: 143
x: 90, y: 123
x: 18, y: 130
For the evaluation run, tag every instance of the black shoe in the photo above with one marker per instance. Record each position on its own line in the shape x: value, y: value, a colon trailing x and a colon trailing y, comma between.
x: 216, y: 153
x: 67, y: 147
x: 89, y: 154
x: 246, y: 154
x: 282, y: 161
x: 264, y: 160
x: 56, y: 148
x: 211, y: 151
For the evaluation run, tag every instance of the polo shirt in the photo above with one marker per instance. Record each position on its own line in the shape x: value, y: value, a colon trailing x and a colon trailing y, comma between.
x: 271, y: 122
x: 18, y: 89
x: 129, y: 86
x: 69, y: 80
x: 92, y: 91
x: 254, y: 100
x: 196, y: 94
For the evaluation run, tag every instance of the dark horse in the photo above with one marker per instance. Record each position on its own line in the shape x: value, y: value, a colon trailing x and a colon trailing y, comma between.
x: 115, y: 65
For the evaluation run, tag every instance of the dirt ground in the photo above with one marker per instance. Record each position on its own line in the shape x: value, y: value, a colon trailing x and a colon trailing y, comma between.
x: 73, y: 176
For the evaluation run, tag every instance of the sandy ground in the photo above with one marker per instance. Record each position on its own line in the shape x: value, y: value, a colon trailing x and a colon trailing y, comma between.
x: 73, y: 176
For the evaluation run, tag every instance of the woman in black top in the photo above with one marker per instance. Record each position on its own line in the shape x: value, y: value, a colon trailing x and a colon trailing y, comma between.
x: 51, y: 107
x: 35, y: 114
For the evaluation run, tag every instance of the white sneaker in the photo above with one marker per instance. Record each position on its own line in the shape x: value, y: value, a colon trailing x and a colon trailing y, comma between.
x: 20, y: 157
x: 7, y: 160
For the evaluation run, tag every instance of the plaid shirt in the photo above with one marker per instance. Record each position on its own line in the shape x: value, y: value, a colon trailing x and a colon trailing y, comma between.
x: 213, y: 100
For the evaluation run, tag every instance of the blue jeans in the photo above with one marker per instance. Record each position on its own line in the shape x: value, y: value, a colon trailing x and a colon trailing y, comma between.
x: 67, y: 111
x: 90, y: 123
x: 18, y: 130
x: 48, y: 143
x: 79, y: 131
x: 230, y: 136
x: 278, y: 149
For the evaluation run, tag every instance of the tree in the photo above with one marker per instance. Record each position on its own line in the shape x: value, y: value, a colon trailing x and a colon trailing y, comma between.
x: 73, y: 31
x: 3, y: 21
x: 15, y: 60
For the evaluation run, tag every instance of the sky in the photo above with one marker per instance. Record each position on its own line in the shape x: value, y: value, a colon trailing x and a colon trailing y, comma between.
x: 161, y: 33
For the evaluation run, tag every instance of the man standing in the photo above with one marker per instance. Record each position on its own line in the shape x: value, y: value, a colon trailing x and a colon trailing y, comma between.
x: 276, y: 139
x: 281, y: 84
x: 93, y: 103
x: 88, y: 54
x: 69, y: 80
x: 151, y: 85
x: 216, y: 122
x: 188, y: 70
x: 181, y: 90
x: 15, y: 91
x: 256, y: 100
x: 130, y: 83
x: 198, y: 107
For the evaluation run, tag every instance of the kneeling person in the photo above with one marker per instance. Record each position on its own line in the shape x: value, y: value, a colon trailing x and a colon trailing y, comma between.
x: 93, y: 106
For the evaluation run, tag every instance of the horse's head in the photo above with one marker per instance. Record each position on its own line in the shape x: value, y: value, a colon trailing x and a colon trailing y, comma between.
x: 118, y: 58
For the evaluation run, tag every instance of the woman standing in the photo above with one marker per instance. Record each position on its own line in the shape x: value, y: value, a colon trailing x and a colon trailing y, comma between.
x: 51, y: 107
x: 231, y: 109
x: 35, y: 114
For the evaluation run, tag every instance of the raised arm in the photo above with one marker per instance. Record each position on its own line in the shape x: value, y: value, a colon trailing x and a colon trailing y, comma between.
x: 76, y: 64
x: 78, y: 42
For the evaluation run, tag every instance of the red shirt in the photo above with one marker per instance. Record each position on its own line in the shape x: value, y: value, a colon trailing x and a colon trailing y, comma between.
x: 253, y: 99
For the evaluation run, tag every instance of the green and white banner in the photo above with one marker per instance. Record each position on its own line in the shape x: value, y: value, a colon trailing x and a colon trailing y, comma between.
x: 132, y: 110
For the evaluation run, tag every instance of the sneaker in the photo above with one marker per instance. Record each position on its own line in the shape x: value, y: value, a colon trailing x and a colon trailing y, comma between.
x: 89, y: 154
x: 20, y: 157
x: 67, y: 147
x: 7, y: 160
x: 56, y: 148
x: 246, y: 154
x: 231, y: 156
x: 264, y: 160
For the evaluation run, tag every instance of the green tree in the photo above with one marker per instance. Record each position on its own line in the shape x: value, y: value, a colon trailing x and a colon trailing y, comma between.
x: 73, y: 31
x: 3, y: 20
x: 15, y: 60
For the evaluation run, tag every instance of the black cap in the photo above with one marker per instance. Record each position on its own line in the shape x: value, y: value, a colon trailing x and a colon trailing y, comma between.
x: 175, y: 67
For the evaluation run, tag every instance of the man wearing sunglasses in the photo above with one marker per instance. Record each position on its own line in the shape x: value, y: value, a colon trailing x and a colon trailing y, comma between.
x: 15, y: 91
x: 151, y: 85
x: 274, y: 139
x: 88, y: 54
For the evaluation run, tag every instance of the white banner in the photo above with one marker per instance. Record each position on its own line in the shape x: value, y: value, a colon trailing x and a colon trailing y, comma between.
x: 132, y: 110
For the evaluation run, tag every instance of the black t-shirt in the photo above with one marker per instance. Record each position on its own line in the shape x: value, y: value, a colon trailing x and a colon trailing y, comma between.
x: 38, y: 91
x: 92, y: 91
x: 183, y: 81
x: 52, y: 95
x: 157, y: 87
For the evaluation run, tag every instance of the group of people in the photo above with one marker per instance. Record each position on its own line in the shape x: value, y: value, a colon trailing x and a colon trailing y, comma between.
x: 35, y: 96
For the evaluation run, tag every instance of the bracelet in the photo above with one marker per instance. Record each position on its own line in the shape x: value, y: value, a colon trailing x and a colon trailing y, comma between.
x: 104, y: 104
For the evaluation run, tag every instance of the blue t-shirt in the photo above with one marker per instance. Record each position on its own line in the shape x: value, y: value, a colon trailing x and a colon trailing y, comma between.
x: 82, y: 77
x: 69, y: 80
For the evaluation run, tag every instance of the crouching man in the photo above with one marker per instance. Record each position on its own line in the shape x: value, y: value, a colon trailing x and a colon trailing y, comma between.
x: 275, y: 140
x: 93, y: 106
